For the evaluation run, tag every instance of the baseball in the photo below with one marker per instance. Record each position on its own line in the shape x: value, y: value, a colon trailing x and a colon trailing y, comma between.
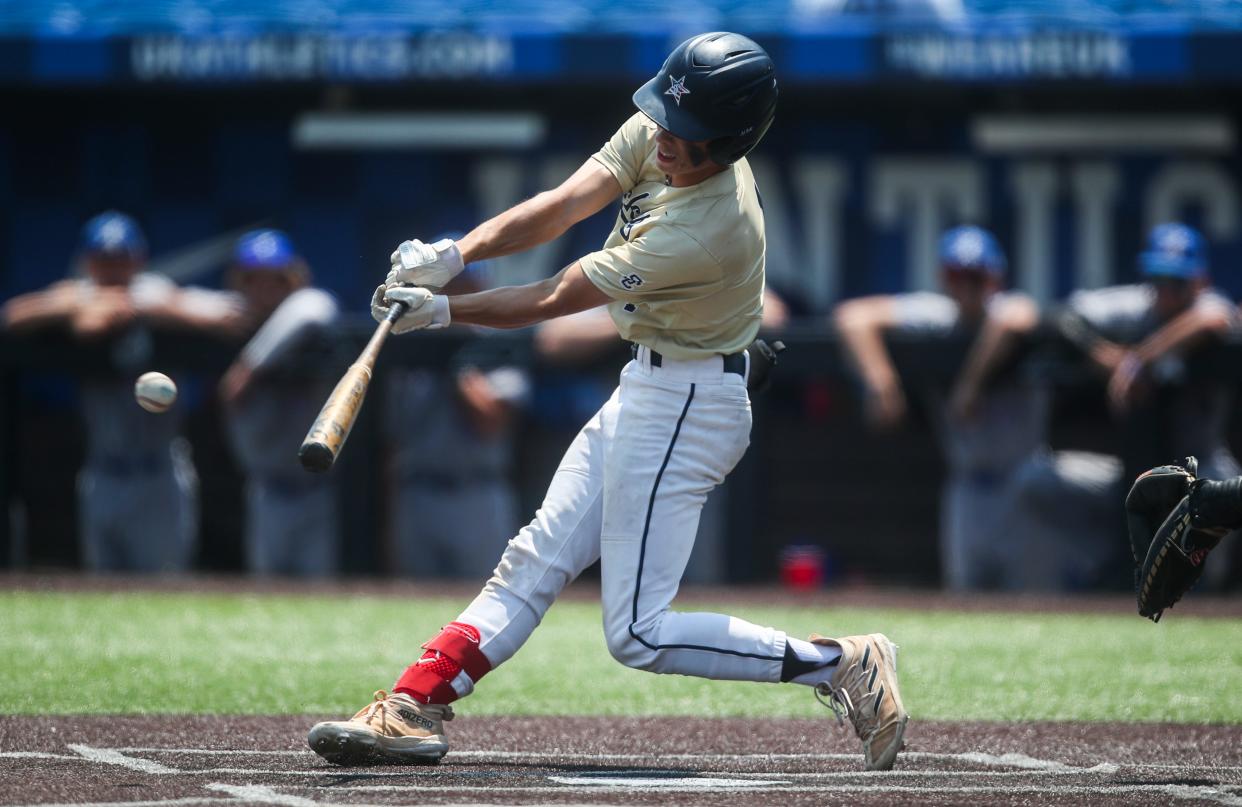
x: 155, y: 392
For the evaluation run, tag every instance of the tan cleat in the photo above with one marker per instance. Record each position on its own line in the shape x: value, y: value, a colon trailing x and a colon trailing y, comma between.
x: 864, y: 689
x: 391, y: 730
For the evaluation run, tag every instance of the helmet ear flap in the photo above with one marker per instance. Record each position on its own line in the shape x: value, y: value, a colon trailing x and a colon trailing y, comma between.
x: 730, y: 149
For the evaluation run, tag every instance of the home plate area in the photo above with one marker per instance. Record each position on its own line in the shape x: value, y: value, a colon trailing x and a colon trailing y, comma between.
x: 176, y: 760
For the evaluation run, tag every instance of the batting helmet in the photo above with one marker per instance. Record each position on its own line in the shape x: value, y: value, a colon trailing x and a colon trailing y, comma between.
x: 971, y: 248
x: 1174, y: 250
x: 718, y: 87
x: 115, y: 234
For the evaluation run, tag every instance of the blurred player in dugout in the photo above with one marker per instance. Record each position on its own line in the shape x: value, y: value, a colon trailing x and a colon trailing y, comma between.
x: 1139, y: 338
x: 292, y: 517
x: 991, y: 424
x: 137, y: 487
x: 453, y: 506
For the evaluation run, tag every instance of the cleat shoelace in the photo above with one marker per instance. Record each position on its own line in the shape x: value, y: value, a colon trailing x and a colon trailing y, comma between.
x: 380, y: 707
x: 839, y: 700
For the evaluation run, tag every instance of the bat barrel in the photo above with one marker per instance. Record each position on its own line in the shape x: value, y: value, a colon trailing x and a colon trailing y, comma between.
x: 327, y: 434
x: 316, y: 456
x: 329, y: 431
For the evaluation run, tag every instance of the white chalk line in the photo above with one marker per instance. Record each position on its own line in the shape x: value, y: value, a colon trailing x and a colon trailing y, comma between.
x: 167, y: 802
x: 305, y: 752
x: 1197, y: 792
x: 977, y: 757
x: 261, y: 794
x: 484, y: 754
x: 110, y: 757
x: 443, y: 772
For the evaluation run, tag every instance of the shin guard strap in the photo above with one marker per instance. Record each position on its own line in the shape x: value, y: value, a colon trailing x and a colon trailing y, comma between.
x: 460, y: 642
x: 425, y: 685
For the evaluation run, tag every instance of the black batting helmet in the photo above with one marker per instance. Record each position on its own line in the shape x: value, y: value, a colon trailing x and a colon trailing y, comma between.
x: 719, y: 87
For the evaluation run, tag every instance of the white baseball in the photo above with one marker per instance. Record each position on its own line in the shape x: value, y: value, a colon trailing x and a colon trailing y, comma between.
x: 155, y: 392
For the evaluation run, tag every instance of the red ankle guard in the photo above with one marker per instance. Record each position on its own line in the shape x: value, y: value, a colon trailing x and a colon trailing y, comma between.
x: 454, y: 649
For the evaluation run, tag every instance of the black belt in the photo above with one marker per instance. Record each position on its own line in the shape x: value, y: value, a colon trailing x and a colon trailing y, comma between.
x: 733, y: 362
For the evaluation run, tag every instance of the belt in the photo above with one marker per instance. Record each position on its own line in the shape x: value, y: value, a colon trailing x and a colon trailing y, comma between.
x: 733, y: 362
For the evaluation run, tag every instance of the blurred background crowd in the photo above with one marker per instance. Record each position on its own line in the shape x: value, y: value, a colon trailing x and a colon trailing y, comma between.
x: 1003, y: 249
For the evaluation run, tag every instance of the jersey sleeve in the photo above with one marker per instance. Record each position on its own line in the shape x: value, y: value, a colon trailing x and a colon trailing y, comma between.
x: 301, y: 313
x: 1213, y: 301
x: 511, y: 385
x: 664, y: 264
x: 924, y: 313
x: 626, y: 151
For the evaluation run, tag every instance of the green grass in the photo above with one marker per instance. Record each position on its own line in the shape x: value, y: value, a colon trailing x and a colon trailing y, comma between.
x: 188, y: 653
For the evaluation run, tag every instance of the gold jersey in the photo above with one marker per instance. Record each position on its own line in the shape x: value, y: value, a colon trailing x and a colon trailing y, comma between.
x: 684, y: 266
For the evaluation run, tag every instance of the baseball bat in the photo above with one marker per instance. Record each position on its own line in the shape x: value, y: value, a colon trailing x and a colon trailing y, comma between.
x: 327, y: 434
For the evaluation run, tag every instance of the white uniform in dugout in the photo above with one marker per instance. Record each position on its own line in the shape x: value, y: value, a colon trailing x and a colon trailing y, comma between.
x: 682, y: 275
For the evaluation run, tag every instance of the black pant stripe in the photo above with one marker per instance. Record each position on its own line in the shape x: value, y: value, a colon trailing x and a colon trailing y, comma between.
x: 642, y: 555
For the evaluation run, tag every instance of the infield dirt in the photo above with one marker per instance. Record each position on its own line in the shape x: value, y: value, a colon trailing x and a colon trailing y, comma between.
x: 263, y: 760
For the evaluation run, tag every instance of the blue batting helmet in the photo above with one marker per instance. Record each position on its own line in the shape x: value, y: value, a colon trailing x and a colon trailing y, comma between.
x: 114, y: 234
x: 971, y: 248
x: 264, y: 249
x: 1174, y: 250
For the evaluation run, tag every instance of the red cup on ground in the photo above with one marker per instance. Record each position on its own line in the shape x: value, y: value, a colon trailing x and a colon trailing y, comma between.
x: 802, y: 567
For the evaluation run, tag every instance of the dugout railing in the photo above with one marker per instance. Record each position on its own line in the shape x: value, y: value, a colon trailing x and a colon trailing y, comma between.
x: 813, y: 474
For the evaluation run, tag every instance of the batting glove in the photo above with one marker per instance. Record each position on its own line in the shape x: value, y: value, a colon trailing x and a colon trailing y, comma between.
x: 431, y: 266
x: 423, y: 309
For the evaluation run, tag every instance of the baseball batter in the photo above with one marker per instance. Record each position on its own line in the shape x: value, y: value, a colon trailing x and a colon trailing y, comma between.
x: 292, y: 517
x: 683, y: 274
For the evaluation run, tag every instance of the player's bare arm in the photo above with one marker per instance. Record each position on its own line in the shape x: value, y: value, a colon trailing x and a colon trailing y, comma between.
x: 1189, y: 329
x: 489, y: 414
x: 1104, y: 354
x: 1003, y: 328
x: 535, y: 221
x: 54, y: 305
x: 567, y: 292
x: 544, y: 217
x: 861, y: 324
x: 571, y: 339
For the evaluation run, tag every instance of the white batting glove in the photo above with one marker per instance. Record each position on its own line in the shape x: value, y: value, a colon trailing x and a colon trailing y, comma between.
x: 423, y: 309
x: 431, y: 266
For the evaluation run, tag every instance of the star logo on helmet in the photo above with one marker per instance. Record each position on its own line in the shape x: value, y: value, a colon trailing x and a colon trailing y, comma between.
x: 677, y: 88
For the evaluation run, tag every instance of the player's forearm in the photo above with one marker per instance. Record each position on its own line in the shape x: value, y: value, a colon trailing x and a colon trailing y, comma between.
x: 506, y: 307
x: 1184, y: 331
x: 997, y: 341
x: 528, y: 224
x: 31, y: 311
x: 864, y: 346
x: 1075, y: 329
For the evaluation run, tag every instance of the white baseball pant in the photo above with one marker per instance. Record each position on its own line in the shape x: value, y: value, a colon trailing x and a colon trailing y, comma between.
x: 628, y: 492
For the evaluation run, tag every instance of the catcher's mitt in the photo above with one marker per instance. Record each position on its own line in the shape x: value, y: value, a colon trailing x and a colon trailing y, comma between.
x: 1168, y: 548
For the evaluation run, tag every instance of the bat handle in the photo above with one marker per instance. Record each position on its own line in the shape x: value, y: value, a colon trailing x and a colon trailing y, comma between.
x: 395, y: 313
